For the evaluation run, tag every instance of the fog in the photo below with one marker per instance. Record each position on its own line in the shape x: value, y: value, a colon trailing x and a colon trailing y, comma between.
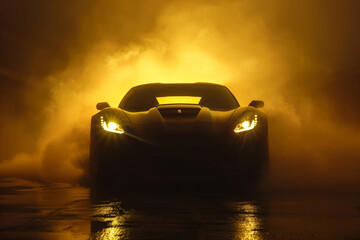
x: 59, y: 58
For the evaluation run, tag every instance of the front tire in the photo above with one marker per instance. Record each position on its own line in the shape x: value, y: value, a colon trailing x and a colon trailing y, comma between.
x: 105, y: 172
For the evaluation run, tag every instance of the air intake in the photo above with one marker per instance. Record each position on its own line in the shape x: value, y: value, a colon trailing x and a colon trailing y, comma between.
x: 179, y: 111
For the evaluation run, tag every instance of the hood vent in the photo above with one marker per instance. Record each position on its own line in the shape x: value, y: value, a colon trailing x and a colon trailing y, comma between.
x: 179, y: 111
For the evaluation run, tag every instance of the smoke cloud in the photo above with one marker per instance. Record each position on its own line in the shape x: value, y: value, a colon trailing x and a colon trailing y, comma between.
x: 302, y: 59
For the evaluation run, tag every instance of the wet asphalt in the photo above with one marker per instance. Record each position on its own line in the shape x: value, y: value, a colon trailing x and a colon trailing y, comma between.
x: 33, y: 210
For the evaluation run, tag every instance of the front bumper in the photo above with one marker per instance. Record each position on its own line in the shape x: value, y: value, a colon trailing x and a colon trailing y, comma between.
x: 179, y: 156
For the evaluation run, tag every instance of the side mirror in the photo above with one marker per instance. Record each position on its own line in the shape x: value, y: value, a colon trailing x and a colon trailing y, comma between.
x: 256, y: 104
x: 102, y: 105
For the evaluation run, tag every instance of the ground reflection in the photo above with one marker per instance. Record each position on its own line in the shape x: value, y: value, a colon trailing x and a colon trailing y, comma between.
x: 250, y: 226
x: 37, y: 211
x: 144, y: 217
x: 108, y: 221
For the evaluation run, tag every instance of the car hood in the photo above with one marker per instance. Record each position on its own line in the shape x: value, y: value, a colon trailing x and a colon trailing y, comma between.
x: 168, y: 114
x: 179, y: 121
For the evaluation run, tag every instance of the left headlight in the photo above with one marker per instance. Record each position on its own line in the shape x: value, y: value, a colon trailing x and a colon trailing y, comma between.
x: 111, y: 126
x: 247, y: 123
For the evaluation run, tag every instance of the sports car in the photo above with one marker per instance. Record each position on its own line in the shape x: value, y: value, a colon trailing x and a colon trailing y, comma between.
x: 188, y: 132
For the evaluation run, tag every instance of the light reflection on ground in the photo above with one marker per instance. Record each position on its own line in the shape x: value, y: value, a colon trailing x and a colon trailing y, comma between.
x: 31, y: 210
x: 108, y: 221
x: 250, y: 225
x: 176, y: 218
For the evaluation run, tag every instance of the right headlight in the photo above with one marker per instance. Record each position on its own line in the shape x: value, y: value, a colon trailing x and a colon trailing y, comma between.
x: 246, y: 123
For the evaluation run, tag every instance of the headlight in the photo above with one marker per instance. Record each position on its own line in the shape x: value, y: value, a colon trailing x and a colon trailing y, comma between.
x: 247, y: 123
x: 111, y: 126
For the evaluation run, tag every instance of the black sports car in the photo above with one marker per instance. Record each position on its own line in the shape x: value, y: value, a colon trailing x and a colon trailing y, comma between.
x: 191, y: 133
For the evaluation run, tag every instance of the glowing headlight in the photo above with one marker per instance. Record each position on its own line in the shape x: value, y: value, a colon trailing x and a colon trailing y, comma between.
x: 111, y: 126
x: 246, y: 124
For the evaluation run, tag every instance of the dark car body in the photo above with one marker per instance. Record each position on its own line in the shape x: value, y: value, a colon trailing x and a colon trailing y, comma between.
x: 195, y: 132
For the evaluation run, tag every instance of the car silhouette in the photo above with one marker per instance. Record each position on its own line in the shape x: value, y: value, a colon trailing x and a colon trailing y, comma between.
x: 177, y: 133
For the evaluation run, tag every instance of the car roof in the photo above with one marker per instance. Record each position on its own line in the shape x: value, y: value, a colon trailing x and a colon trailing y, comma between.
x: 150, y: 85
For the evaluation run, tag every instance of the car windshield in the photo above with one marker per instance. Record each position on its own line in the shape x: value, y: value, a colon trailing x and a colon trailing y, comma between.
x: 144, y: 97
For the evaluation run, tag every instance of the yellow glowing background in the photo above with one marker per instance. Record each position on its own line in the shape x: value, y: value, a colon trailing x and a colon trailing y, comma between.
x: 300, y: 57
